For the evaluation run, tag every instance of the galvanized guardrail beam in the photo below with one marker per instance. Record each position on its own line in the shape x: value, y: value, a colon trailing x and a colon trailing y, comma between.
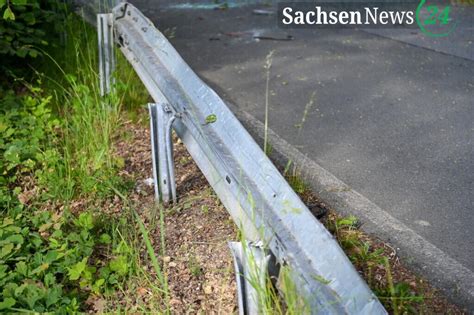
x: 259, y: 199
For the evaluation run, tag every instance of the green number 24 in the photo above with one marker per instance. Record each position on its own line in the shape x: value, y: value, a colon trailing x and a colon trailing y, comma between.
x: 443, y: 16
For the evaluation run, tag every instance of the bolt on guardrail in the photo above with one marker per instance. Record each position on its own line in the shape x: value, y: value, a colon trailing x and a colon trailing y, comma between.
x: 253, y: 191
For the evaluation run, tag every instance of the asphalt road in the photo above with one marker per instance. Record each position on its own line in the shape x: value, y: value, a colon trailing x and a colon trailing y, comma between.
x: 390, y: 114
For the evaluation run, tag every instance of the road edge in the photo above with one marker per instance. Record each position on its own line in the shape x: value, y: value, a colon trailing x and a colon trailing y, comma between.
x: 444, y: 272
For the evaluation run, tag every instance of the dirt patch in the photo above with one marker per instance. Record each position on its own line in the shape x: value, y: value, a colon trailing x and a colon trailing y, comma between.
x: 199, y: 264
x: 197, y: 260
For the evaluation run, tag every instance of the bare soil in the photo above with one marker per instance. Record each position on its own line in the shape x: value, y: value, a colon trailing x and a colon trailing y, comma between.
x: 197, y: 260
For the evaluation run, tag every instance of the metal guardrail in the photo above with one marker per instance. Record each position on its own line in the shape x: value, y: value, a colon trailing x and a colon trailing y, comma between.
x: 161, y: 121
x: 256, y: 195
x: 106, y: 51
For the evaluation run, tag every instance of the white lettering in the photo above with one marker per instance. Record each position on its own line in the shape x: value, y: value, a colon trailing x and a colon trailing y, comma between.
x: 383, y: 17
x: 410, y: 19
x: 397, y: 17
x: 299, y: 17
x: 310, y: 17
x: 287, y: 15
x: 343, y: 17
x: 321, y: 15
x: 354, y: 15
x: 373, y: 17
x: 333, y: 17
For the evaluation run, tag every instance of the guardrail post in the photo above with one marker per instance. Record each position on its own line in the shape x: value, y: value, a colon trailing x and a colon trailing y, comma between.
x: 251, y: 268
x: 161, y: 123
x: 106, y: 51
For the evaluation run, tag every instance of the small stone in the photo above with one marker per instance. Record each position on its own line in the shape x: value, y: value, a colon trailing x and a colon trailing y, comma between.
x: 149, y: 182
x: 172, y: 264
x: 175, y: 302
x: 142, y: 291
x: 166, y: 259
x: 208, y: 290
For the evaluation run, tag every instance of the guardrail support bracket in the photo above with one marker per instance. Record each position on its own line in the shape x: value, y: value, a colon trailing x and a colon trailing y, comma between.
x: 161, y: 122
x: 105, y: 32
x: 251, y: 265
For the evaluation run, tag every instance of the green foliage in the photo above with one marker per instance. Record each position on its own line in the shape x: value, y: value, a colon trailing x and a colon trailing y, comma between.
x: 349, y: 222
x: 91, y: 124
x: 89, y: 166
x: 58, y: 141
x: 297, y: 183
x: 25, y: 26
x: 395, y: 296
x: 47, y: 262
x: 399, y: 297
x: 364, y: 254
x: 26, y: 125
x: 151, y: 253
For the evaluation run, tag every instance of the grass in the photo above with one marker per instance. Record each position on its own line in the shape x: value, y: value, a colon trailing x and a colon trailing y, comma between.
x: 374, y: 262
x: 154, y: 260
x: 274, y: 293
x: 90, y: 131
x: 90, y: 121
x: 306, y: 111
x: 64, y: 171
x: 268, y: 66
x: 132, y: 235
x: 294, y: 179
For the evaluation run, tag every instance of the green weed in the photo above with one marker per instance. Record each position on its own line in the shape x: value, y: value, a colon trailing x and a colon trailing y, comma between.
x: 400, y: 296
x: 268, y: 66
x: 170, y: 33
x: 395, y: 296
x: 275, y: 294
x: 194, y: 266
x: 205, y: 208
x: 306, y: 111
x: 26, y: 126
x: 56, y: 143
x: 132, y: 236
x: 151, y: 252
x: 296, y: 182
x: 47, y: 261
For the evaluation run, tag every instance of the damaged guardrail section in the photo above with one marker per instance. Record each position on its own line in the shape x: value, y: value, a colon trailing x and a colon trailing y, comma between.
x: 256, y: 195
